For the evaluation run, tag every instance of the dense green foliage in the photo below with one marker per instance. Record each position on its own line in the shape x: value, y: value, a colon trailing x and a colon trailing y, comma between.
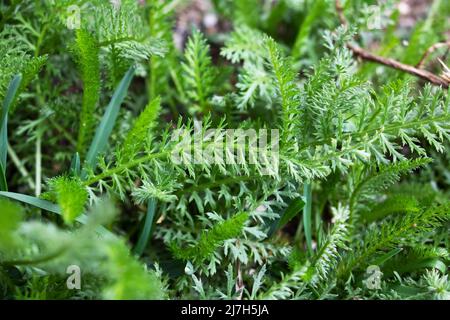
x: 88, y: 178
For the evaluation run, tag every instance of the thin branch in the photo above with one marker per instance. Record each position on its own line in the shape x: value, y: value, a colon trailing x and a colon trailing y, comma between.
x: 430, y: 50
x: 340, y: 12
x: 20, y: 166
x: 366, y: 55
x: 446, y: 73
x: 424, y: 74
x: 38, y: 164
x: 239, y: 281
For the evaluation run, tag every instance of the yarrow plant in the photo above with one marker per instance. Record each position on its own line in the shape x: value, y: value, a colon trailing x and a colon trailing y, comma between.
x: 262, y: 153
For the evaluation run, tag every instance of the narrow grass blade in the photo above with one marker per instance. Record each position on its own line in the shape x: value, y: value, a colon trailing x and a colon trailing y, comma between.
x: 35, y: 202
x: 316, y: 9
x: 51, y: 207
x: 307, y: 194
x: 3, y: 183
x: 387, y: 256
x: 146, y: 231
x: 109, y: 118
x: 291, y: 211
x: 75, y: 166
x: 9, y: 99
x: 416, y: 265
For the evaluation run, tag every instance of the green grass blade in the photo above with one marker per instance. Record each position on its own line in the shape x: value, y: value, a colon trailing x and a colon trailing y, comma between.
x: 317, y: 8
x: 51, y: 207
x: 35, y: 202
x: 291, y: 211
x: 3, y: 183
x: 146, y: 230
x: 417, y: 265
x: 307, y: 194
x: 76, y: 165
x: 9, y: 99
x: 387, y: 256
x: 109, y: 118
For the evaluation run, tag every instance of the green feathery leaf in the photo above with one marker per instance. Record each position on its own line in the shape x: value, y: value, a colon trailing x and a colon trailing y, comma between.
x: 198, y: 71
x: 88, y: 56
x: 211, y: 239
x: 138, y: 135
x: 71, y: 196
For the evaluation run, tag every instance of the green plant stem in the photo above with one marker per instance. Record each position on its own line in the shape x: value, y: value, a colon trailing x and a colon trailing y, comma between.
x: 65, y: 133
x: 215, y: 184
x: 36, y: 261
x: 38, y: 165
x: 307, y: 223
x: 386, y: 129
x: 110, y: 42
x: 120, y: 168
x: 123, y: 167
x: 21, y: 167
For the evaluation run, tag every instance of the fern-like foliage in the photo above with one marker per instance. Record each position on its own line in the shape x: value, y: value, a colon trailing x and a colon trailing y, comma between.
x: 87, y: 52
x: 120, y: 29
x: 115, y: 35
x: 161, y: 23
x: 16, y: 59
x: 323, y: 263
x: 71, y: 196
x: 213, y: 238
x: 328, y: 256
x: 205, y: 224
x: 372, y: 181
x: 416, y: 257
x: 285, y: 80
x: 237, y: 47
x: 391, y: 234
x: 36, y: 244
x: 139, y: 134
x: 129, y: 279
x: 199, y: 74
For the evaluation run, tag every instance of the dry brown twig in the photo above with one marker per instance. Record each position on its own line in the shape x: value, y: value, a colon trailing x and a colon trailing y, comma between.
x: 239, y: 282
x: 414, y: 70
x: 446, y: 74
x: 432, y: 49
